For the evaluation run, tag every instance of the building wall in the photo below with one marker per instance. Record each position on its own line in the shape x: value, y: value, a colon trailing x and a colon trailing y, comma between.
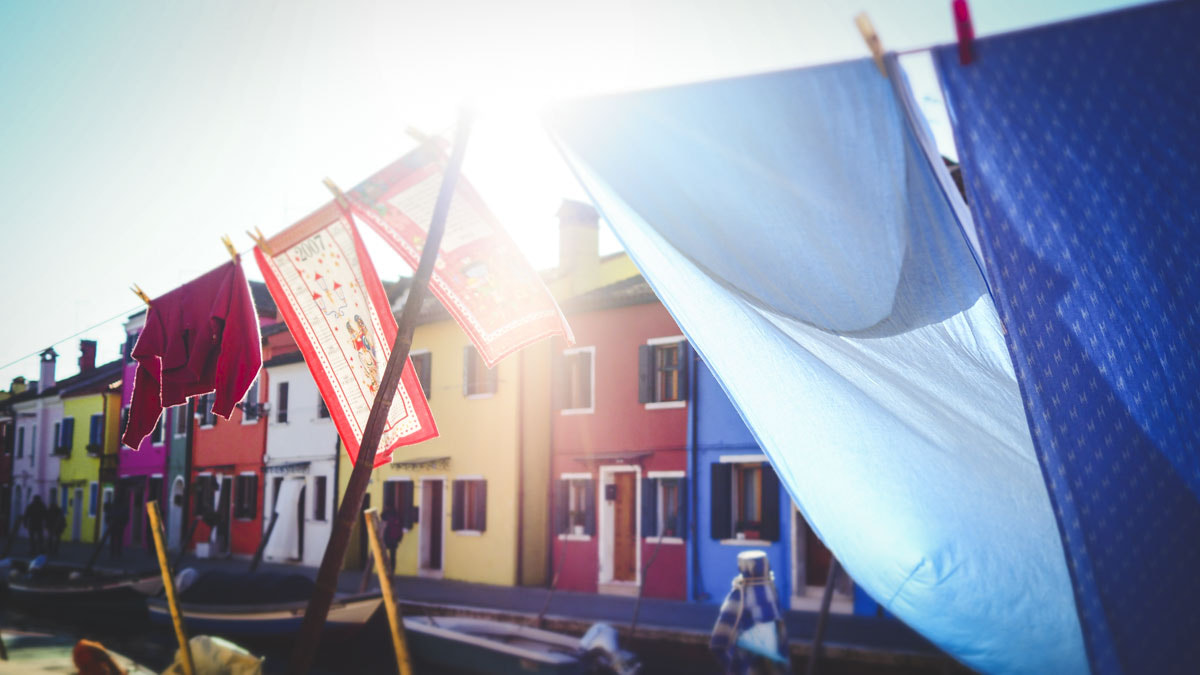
x: 619, y: 423
x: 80, y: 469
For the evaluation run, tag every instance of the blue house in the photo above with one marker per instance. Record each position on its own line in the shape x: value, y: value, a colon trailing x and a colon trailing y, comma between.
x: 741, y: 505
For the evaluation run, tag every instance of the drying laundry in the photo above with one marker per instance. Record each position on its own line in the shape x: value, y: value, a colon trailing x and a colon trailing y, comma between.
x: 807, y: 238
x: 481, y: 277
x: 1080, y: 146
x: 330, y: 297
x: 201, y: 337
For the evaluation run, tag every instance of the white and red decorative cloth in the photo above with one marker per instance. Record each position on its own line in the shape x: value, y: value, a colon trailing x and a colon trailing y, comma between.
x: 481, y: 277
x: 323, y: 281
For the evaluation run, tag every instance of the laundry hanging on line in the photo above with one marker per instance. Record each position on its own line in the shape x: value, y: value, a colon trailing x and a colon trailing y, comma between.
x: 199, y: 338
x: 1080, y: 147
x: 803, y: 232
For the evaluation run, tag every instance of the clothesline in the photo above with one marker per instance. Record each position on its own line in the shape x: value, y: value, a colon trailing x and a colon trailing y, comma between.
x: 73, y: 335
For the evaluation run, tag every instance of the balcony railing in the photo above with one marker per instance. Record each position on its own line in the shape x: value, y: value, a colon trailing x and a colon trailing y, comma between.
x: 62, y: 451
x: 94, y: 449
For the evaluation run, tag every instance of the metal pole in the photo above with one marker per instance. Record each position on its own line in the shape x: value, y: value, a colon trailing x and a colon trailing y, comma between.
x: 389, y: 599
x: 826, y: 599
x: 160, y: 547
x: 637, y: 606
x: 335, y: 552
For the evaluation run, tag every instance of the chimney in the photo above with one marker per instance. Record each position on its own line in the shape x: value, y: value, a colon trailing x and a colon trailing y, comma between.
x: 579, y: 245
x: 18, y: 385
x: 49, y: 359
x: 87, y: 355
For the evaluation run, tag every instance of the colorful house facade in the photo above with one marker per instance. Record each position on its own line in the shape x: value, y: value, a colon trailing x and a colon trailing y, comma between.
x: 619, y: 469
x: 91, y: 420
x: 35, y: 412
x: 227, y: 463
x: 140, y: 471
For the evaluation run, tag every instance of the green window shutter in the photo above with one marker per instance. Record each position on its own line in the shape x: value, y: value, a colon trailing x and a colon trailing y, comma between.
x: 649, y: 507
x: 722, y: 501
x: 646, y: 374
x: 770, y: 503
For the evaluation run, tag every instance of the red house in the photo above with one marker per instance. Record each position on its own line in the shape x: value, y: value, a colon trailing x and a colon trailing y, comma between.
x: 619, y: 459
x: 227, y: 463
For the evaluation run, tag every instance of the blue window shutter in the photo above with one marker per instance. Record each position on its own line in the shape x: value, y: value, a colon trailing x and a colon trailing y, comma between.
x: 685, y: 360
x: 770, y: 503
x: 589, y: 513
x: 681, y: 520
x: 649, y: 507
x: 722, y: 501
x: 68, y: 439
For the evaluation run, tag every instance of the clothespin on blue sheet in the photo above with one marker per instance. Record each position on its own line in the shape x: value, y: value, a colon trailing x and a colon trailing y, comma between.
x: 966, y: 31
x: 137, y: 290
x: 872, y: 39
x: 259, y: 240
x: 229, y: 247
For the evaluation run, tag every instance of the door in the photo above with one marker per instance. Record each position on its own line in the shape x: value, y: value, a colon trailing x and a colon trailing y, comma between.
x: 224, y: 511
x: 77, y: 515
x: 300, y: 523
x: 431, y: 517
x: 625, y: 527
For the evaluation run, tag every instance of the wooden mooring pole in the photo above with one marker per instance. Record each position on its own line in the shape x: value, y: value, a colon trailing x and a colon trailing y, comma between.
x: 382, y: 564
x: 160, y: 546
x: 335, y: 552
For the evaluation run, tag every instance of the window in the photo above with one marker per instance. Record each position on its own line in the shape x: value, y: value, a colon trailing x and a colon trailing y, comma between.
x: 154, y: 490
x: 207, y: 417
x: 250, y: 404
x: 95, y: 434
x: 180, y: 415
x: 124, y: 421
x: 319, y: 497
x: 322, y: 409
x: 93, y: 495
x: 664, y: 506
x: 205, y: 493
x: 470, y: 506
x: 423, y: 365
x: 745, y: 501
x: 574, y: 383
x: 663, y: 372
x: 64, y: 436
x: 130, y: 341
x: 575, y: 505
x: 281, y: 401
x: 20, y: 442
x: 156, y: 436
x: 245, y: 494
x: 478, y: 379
x: 398, y: 494
x: 56, y: 437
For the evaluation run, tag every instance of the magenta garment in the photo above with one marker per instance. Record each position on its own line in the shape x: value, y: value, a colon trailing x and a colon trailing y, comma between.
x: 201, y: 337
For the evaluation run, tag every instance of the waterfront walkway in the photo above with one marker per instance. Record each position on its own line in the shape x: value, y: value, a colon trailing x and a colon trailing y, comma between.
x: 866, y: 640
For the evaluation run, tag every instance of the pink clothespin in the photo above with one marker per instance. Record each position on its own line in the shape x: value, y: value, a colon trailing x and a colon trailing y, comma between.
x: 966, y: 32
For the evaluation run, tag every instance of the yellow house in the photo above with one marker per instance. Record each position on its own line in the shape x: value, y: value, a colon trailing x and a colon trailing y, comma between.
x: 476, y: 500
x: 91, y: 413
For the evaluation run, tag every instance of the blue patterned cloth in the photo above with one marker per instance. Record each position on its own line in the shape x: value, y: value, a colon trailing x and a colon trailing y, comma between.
x: 752, y: 601
x: 1080, y: 147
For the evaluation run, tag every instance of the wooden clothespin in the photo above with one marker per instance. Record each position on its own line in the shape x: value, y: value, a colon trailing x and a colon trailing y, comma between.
x: 229, y: 247
x: 137, y: 290
x: 965, y: 30
x: 338, y: 195
x: 418, y: 135
x: 260, y: 240
x: 872, y: 39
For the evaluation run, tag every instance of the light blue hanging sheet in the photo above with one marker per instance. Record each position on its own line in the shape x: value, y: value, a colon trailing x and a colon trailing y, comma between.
x: 803, y: 233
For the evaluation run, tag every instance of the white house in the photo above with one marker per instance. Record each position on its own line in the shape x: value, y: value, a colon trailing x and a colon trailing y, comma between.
x: 300, y: 466
x: 37, y: 411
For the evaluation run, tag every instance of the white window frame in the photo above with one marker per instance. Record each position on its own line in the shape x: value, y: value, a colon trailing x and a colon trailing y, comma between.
x: 237, y: 493
x: 477, y: 477
x: 203, y: 407
x: 483, y: 364
x: 742, y: 459
x: 591, y: 350
x: 181, y: 411
x: 254, y: 386
x: 667, y: 405
x: 569, y: 477
x: 658, y: 486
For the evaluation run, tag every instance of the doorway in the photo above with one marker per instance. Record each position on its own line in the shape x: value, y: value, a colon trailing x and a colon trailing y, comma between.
x: 811, y: 561
x: 77, y: 515
x: 224, y: 504
x: 620, y: 555
x: 432, y: 518
x: 175, y: 520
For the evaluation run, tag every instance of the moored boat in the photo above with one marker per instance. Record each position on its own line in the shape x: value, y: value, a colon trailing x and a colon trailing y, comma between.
x: 51, y: 586
x: 260, y: 604
x: 485, y: 646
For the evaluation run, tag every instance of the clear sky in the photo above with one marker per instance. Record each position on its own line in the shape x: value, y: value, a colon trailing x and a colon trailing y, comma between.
x: 134, y: 134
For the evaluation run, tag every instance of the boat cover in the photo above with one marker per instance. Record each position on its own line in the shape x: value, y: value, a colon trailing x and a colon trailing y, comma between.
x: 803, y: 232
x: 218, y: 587
x: 284, y: 543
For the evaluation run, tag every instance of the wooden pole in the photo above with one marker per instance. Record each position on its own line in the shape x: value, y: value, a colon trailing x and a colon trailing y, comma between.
x: 262, y: 545
x: 814, y: 654
x: 169, y: 586
x: 389, y: 599
x: 335, y: 552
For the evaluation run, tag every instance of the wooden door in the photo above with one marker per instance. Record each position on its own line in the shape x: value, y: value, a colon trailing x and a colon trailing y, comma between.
x: 625, y: 527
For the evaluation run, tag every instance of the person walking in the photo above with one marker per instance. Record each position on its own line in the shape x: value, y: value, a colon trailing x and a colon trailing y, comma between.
x: 35, y: 522
x: 56, y: 523
x: 393, y: 532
